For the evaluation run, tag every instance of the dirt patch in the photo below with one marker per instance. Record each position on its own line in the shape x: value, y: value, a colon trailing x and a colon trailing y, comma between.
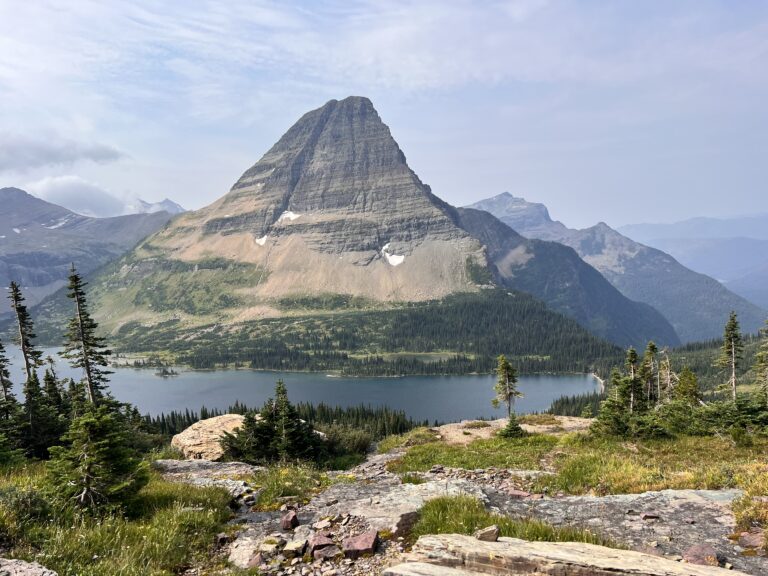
x: 467, y: 431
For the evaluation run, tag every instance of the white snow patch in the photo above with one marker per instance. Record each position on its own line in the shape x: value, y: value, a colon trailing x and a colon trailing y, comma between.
x: 393, y: 259
x: 288, y: 215
x: 59, y: 224
x: 17, y: 231
x: 261, y: 241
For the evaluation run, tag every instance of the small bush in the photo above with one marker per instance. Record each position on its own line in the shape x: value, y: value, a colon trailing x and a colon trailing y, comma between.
x: 539, y: 420
x: 411, y: 478
x: 295, y: 482
x: 475, y: 424
x: 415, y: 437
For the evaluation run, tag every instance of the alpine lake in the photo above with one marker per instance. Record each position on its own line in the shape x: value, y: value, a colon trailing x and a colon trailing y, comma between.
x: 430, y: 398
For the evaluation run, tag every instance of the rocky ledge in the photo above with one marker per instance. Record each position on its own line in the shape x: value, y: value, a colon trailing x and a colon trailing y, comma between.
x: 21, y: 568
x: 357, y: 526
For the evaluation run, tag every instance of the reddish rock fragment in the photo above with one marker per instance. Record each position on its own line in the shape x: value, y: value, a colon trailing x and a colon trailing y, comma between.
x: 360, y: 545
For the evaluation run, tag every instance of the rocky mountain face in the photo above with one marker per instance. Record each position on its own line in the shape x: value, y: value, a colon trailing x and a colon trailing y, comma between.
x: 39, y: 241
x: 695, y: 304
x: 557, y: 275
x: 334, y: 208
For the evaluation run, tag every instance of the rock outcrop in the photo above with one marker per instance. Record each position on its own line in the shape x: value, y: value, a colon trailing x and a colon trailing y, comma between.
x: 21, y: 568
x: 202, y: 440
x: 514, y: 557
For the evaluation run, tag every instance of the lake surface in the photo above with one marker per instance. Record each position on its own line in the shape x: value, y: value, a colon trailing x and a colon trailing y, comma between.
x: 442, y: 398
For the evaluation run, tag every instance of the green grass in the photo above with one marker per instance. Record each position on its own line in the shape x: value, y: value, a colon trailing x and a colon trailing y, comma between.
x: 465, y: 515
x: 586, y: 464
x: 295, y: 482
x: 476, y: 424
x: 166, y: 529
x: 538, y: 420
x: 414, y: 437
x: 520, y: 453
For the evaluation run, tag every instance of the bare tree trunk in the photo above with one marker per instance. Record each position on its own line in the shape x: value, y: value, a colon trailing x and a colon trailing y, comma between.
x: 733, y: 369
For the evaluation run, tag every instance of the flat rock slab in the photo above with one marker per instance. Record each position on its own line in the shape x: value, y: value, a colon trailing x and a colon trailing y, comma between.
x: 227, y: 475
x: 21, y: 568
x: 423, y: 569
x: 510, y: 556
x: 675, y: 521
x: 387, y: 506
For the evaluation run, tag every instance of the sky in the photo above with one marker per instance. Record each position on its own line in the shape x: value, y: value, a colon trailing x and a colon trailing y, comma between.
x: 617, y: 111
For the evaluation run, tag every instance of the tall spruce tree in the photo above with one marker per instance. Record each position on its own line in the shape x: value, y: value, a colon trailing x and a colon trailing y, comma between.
x: 687, y: 388
x: 633, y: 383
x: 649, y: 373
x: 506, y: 393
x: 83, y: 348
x: 732, y: 351
x: 9, y: 405
x: 761, y: 363
x: 25, y: 333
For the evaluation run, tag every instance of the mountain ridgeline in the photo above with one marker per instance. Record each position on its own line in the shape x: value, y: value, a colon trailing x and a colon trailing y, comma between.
x: 695, y: 304
x: 332, y: 245
x: 39, y: 241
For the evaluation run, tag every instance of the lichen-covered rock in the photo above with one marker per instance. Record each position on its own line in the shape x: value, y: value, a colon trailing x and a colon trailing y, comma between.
x: 202, y: 440
x: 21, y: 568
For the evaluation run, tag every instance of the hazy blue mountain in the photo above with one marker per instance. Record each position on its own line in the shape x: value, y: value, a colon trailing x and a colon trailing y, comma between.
x: 754, y: 226
x: 695, y: 304
x: 39, y: 241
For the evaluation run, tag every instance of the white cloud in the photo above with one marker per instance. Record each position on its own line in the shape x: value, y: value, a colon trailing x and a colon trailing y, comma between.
x: 80, y: 195
x: 22, y: 153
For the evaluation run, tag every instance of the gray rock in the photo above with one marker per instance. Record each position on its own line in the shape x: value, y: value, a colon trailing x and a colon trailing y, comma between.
x: 21, y: 568
x: 489, y: 534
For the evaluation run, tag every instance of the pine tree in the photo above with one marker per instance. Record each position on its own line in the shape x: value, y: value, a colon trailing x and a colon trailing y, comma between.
x: 25, y: 333
x: 649, y: 374
x: 97, y: 467
x: 732, y: 351
x: 8, y: 455
x: 9, y: 406
x: 613, y: 416
x: 83, y: 348
x: 761, y: 363
x: 506, y: 393
x: 275, y: 434
x: 633, y: 383
x: 687, y: 388
x: 38, y: 423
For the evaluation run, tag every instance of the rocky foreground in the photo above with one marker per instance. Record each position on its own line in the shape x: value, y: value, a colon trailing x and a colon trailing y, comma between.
x: 359, y: 524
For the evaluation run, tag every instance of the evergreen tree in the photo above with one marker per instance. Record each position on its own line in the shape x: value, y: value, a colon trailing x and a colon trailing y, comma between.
x: 8, y: 455
x: 9, y: 406
x: 97, y: 467
x: 275, y: 434
x: 732, y: 351
x: 649, y: 373
x: 83, y: 348
x: 38, y: 424
x: 613, y: 417
x: 506, y: 393
x: 761, y: 364
x: 24, y: 332
x: 687, y: 388
x: 633, y: 384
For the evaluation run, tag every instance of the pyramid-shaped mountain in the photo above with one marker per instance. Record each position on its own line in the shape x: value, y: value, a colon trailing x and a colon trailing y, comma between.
x: 333, y: 214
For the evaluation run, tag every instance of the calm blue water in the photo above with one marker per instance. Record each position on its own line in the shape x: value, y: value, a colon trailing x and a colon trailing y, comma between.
x: 443, y: 398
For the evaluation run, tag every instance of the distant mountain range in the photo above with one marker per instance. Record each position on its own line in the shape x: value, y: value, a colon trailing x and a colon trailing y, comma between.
x: 142, y: 207
x: 332, y: 216
x: 733, y: 250
x: 39, y: 241
x: 695, y: 304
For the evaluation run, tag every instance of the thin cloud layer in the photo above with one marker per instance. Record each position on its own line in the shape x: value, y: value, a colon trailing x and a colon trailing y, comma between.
x: 23, y: 153
x: 79, y: 195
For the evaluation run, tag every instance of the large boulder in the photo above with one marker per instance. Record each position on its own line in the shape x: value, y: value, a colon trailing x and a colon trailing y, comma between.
x: 202, y: 440
x: 21, y: 568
